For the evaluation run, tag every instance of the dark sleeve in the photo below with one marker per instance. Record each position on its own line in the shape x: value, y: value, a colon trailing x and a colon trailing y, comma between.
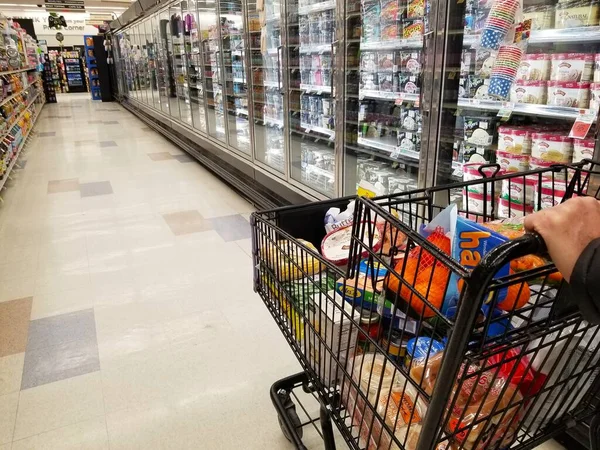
x: 585, y: 282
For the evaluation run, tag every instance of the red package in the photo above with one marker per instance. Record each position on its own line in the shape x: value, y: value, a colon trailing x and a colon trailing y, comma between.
x: 523, y: 375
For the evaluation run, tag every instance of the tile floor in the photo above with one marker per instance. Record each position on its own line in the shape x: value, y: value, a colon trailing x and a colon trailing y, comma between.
x: 127, y: 317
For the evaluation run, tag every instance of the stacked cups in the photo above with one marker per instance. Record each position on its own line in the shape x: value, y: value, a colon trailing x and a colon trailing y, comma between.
x: 500, y: 20
x: 505, y: 71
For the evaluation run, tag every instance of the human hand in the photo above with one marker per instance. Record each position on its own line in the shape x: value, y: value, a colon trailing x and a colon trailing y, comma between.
x: 567, y: 229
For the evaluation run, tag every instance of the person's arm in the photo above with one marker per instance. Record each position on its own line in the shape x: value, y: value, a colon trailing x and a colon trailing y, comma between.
x: 571, y: 232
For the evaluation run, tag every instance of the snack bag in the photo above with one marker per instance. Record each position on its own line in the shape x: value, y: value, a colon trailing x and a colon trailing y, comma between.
x: 336, y: 218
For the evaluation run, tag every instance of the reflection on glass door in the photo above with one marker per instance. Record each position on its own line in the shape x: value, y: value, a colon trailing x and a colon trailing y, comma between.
x: 153, y: 98
x: 311, y: 31
x: 191, y: 36
x: 383, y: 79
x: 236, y: 88
x: 162, y: 73
x: 267, y: 82
x: 180, y: 64
x: 142, y: 64
x: 211, y: 52
x: 166, y: 45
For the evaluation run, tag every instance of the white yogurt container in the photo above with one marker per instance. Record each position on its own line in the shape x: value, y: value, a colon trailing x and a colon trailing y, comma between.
x: 569, y: 93
x: 533, y: 92
x: 514, y: 140
x: 510, y: 209
x: 519, y: 189
x: 549, y: 194
x: 583, y: 149
x: 509, y: 162
x: 571, y: 67
x: 475, y: 203
x: 552, y: 147
x: 534, y: 67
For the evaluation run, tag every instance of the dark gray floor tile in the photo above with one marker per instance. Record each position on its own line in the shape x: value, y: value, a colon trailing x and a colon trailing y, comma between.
x: 59, y: 362
x: 231, y: 228
x: 57, y: 330
x: 47, y: 134
x: 111, y: 122
x: 183, y: 158
x: 95, y: 188
x: 94, y: 122
x: 105, y: 144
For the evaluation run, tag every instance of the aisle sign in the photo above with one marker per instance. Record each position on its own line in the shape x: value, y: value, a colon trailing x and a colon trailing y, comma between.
x: 62, y: 5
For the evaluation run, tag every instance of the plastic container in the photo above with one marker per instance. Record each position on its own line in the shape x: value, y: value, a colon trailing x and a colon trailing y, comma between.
x: 537, y: 163
x: 583, y: 149
x: 335, y: 246
x: 552, y: 147
x: 571, y: 67
x: 514, y: 140
x: 520, y: 189
x: 550, y: 194
x: 541, y: 16
x: 595, y: 96
x: 533, y: 92
x: 475, y: 203
x: 534, y: 67
x: 569, y: 93
x: 421, y: 347
x: 471, y: 172
x: 577, y: 14
x: 510, y: 162
x: 509, y: 208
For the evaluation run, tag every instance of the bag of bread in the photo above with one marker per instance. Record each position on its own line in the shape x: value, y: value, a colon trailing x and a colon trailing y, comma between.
x: 426, y: 374
x: 291, y: 261
x: 373, y: 373
x: 401, y: 405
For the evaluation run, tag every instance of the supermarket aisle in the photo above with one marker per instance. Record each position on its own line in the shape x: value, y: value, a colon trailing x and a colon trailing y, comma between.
x: 127, y: 316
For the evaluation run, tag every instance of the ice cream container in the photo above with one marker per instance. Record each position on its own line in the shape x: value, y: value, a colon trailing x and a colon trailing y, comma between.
x: 514, y: 140
x: 548, y: 194
x: 510, y: 162
x: 571, y: 66
x: 533, y: 92
x: 552, y: 147
x: 541, y: 16
x: 595, y: 96
x: 509, y: 208
x: 534, y: 67
x: 471, y: 172
x: 569, y: 93
x: 475, y: 203
x: 537, y: 163
x: 583, y: 149
x: 519, y: 189
x: 597, y: 68
x: 577, y: 14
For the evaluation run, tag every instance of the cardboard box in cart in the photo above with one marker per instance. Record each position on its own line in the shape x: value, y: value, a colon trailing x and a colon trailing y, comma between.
x: 336, y: 330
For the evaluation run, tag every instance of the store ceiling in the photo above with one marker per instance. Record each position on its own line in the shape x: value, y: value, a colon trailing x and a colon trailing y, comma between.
x: 92, y: 6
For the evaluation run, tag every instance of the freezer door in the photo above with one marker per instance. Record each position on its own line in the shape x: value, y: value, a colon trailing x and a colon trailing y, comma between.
x: 193, y: 48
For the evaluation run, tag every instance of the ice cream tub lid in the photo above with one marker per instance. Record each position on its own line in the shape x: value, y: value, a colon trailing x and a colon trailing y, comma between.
x: 512, y: 156
x: 536, y: 56
x: 553, y: 137
x: 421, y: 347
x: 531, y: 83
x: 575, y: 56
x: 569, y: 84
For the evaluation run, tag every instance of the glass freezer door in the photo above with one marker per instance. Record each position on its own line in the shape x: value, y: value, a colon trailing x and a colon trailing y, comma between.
x: 164, y: 24
x: 384, y: 57
x: 153, y: 98
x: 211, y: 51
x: 191, y: 35
x: 180, y: 65
x: 265, y: 31
x: 511, y: 97
x: 236, y: 87
x: 162, y: 72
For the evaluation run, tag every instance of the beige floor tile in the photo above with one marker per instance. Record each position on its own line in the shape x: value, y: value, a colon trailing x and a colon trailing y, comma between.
x: 61, y: 302
x: 8, y: 413
x: 89, y: 435
x: 14, y: 325
x: 6, y: 446
x: 59, y: 404
x: 11, y: 370
x: 186, y: 222
x: 17, y: 288
x: 160, y: 156
x: 56, y: 186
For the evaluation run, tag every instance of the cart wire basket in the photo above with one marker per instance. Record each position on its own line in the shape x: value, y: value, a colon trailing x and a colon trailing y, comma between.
x: 443, y: 328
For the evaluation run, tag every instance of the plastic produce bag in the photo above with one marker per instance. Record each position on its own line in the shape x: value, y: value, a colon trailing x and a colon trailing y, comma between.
x: 291, y: 261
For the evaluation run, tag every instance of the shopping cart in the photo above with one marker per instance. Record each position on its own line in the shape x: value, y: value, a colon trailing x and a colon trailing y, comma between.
x: 411, y: 345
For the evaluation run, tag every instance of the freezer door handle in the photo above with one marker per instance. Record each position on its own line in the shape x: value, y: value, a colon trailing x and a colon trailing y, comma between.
x: 279, y: 50
x: 334, y: 45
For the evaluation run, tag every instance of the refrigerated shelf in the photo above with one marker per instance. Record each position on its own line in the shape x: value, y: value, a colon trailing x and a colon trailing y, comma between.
x: 316, y: 7
x: 393, y: 44
x: 556, y: 112
x: 579, y: 35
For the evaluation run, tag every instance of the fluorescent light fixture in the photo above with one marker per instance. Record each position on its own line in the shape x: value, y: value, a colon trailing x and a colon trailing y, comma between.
x: 107, y: 8
x: 16, y: 4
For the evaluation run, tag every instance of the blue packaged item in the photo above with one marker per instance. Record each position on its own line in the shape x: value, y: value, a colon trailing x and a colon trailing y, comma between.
x: 421, y: 347
x: 361, y: 291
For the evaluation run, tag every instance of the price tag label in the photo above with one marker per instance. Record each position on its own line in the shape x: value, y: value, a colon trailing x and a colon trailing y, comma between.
x: 308, y: 130
x: 396, y: 152
x: 399, y: 99
x: 361, y: 96
x: 582, y: 124
x: 506, y: 111
x: 417, y: 102
x: 319, y: 92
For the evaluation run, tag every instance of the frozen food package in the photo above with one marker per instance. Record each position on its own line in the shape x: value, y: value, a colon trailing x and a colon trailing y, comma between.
x: 369, y: 62
x: 369, y: 81
x: 412, y: 28
x: 390, y: 11
x: 410, y: 62
x: 390, y: 31
x: 478, y: 87
x: 370, y: 22
x: 409, y: 83
x: 484, y: 63
x: 291, y: 261
x: 386, y: 62
x: 336, y: 218
x: 415, y: 9
x: 479, y: 130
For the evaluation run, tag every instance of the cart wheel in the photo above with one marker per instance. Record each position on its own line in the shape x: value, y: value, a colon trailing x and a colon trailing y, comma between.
x: 290, y: 410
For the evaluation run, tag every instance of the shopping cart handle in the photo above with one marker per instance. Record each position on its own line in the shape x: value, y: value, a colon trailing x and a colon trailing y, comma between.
x: 528, y: 244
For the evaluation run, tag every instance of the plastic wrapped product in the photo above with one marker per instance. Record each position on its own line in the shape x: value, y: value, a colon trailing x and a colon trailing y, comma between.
x: 583, y: 149
x: 534, y: 67
x: 401, y: 405
x: 569, y: 93
x: 426, y: 374
x: 577, y: 14
x: 552, y: 147
x: 575, y: 67
x: 541, y: 16
x: 532, y: 92
x: 374, y: 374
x: 286, y: 256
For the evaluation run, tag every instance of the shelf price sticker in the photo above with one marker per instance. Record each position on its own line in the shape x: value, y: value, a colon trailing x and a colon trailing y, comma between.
x: 399, y: 98
x: 506, y: 111
x: 396, y: 153
x: 583, y: 122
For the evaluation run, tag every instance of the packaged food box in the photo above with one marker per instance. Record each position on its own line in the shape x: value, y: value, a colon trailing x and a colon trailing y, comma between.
x: 577, y: 14
x: 360, y: 290
x: 386, y: 62
x: 410, y: 119
x: 338, y: 333
x: 583, y: 149
x: 475, y: 154
x: 467, y: 62
x: 519, y: 189
x: 410, y: 62
x: 569, y: 93
x: 533, y: 92
x: 597, y: 68
x: 371, y: 12
x: 509, y: 162
x: 515, y: 140
x: 369, y: 62
x: 551, y: 194
x: 409, y: 83
x: 595, y: 96
x: 408, y: 141
x: 552, y: 147
x: 474, y: 203
x: 479, y: 131
x: 541, y: 16
x: 463, y: 87
x: 387, y: 82
x: 537, y: 163
x: 473, y: 172
x: 574, y: 67
x: 478, y: 87
x: 415, y: 9
x: 484, y: 63
x: 534, y: 67
x: 412, y: 28
x: 369, y: 81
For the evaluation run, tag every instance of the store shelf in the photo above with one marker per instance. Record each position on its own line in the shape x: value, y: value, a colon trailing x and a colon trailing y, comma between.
x: 8, y: 99
x: 558, y: 112
x: 316, y: 7
x: 391, y: 96
x: 242, y: 112
x: 271, y: 84
x: 393, y: 45
x: 389, y: 145
x: 316, y: 89
x: 310, y: 169
x: 328, y: 132
x: 315, y: 48
x: 239, y: 80
x: 8, y: 129
x: 580, y: 35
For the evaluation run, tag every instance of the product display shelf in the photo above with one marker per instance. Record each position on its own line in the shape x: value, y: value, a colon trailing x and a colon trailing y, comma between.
x: 579, y: 35
x: 9, y: 128
x: 10, y: 97
x: 8, y: 72
x: 556, y: 112
x: 20, y: 149
x: 393, y: 44
x: 92, y: 68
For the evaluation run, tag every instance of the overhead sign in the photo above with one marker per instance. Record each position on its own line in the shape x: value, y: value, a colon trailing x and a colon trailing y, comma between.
x: 99, y: 19
x: 65, y: 5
